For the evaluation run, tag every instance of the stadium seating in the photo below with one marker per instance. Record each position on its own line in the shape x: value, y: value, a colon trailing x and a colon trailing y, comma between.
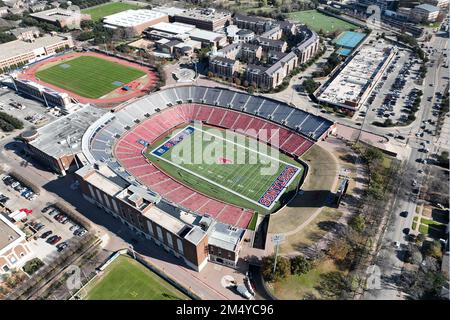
x: 115, y: 142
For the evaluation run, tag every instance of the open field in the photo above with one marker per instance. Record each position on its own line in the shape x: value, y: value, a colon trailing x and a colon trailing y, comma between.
x: 319, y: 21
x: 127, y: 279
x: 88, y: 76
x: 299, y: 287
x: 237, y: 170
x: 316, y: 188
x: 99, y: 12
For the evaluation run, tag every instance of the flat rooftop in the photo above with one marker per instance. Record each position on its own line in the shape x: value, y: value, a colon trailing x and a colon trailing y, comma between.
x: 53, y: 137
x: 56, y: 14
x: 131, y: 18
x: 204, y: 14
x: 8, y: 234
x: 19, y: 47
x: 225, y: 236
x: 174, y: 28
x: 205, y: 35
x: 170, y: 11
x: 354, y: 79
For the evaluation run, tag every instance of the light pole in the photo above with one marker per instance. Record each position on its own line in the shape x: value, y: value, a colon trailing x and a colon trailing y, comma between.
x: 276, y: 239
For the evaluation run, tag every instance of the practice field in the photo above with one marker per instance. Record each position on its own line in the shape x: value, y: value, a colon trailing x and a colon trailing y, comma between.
x: 319, y: 21
x: 89, y: 76
x: 232, y: 168
x: 101, y: 11
x: 127, y: 279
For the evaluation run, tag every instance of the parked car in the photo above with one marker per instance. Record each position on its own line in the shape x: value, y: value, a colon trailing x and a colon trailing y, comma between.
x: 404, y: 214
x: 80, y: 232
x: 46, y: 234
x: 54, y: 239
x: 62, y: 246
x: 74, y: 227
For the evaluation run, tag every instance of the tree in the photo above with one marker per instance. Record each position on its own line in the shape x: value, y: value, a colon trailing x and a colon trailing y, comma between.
x: 443, y: 160
x: 432, y: 249
x: 300, y: 265
x: 282, y: 270
x: 310, y: 85
x: 333, y: 285
x: 338, y: 250
x: 413, y: 255
x: 357, y: 223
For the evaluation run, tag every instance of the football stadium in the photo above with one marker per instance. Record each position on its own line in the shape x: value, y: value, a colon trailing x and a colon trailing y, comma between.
x: 253, y: 144
x: 92, y: 77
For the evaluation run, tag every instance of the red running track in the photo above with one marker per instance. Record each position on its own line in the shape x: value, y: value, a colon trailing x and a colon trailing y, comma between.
x: 152, y: 79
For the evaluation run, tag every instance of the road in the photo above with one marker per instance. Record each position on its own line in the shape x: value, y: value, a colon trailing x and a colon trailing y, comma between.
x: 389, y: 258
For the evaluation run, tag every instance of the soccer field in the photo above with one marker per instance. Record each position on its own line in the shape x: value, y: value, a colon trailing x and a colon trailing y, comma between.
x: 88, y: 76
x: 101, y: 11
x: 319, y: 21
x: 232, y: 168
x: 127, y: 279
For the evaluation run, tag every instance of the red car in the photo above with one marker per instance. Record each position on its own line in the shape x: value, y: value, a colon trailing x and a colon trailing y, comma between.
x: 54, y: 239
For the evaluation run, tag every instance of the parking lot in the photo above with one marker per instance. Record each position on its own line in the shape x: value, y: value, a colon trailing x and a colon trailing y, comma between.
x: 31, y: 112
x: 48, y: 229
x: 392, y: 96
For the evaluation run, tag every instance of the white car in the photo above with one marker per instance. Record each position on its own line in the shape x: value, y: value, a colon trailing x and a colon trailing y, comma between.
x: 397, y: 244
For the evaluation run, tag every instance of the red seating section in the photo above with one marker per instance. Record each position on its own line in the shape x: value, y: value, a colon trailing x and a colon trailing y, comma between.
x: 129, y: 153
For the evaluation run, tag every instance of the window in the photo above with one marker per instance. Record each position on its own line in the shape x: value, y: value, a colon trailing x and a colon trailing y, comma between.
x: 150, y: 227
x: 159, y: 231
x: 180, y: 246
x: 169, y: 240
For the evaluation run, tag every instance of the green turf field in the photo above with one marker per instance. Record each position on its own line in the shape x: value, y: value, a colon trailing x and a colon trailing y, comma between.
x: 319, y: 21
x: 99, y: 12
x: 127, y: 279
x: 242, y: 180
x: 88, y: 76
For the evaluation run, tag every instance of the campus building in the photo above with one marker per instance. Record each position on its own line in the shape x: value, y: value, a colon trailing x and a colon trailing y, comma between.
x: 134, y: 22
x: 14, y: 248
x: 425, y: 13
x: 57, y: 145
x: 352, y: 84
x: 48, y: 96
x: 441, y: 4
x: 25, y: 34
x: 265, y: 60
x: 206, y: 19
x: 18, y: 52
x: 61, y: 17
x: 223, y: 67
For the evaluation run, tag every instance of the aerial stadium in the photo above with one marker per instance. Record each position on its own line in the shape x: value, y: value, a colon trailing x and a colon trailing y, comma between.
x: 138, y: 142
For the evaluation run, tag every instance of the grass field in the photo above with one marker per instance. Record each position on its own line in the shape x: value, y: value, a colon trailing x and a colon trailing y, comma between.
x: 319, y: 21
x: 295, y: 287
x: 127, y: 279
x: 88, y: 76
x: 236, y: 171
x: 99, y: 12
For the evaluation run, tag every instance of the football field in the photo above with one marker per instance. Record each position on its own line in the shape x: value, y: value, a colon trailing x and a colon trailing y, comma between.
x: 127, y: 279
x: 228, y: 167
x: 103, y: 10
x: 319, y: 21
x: 88, y: 76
